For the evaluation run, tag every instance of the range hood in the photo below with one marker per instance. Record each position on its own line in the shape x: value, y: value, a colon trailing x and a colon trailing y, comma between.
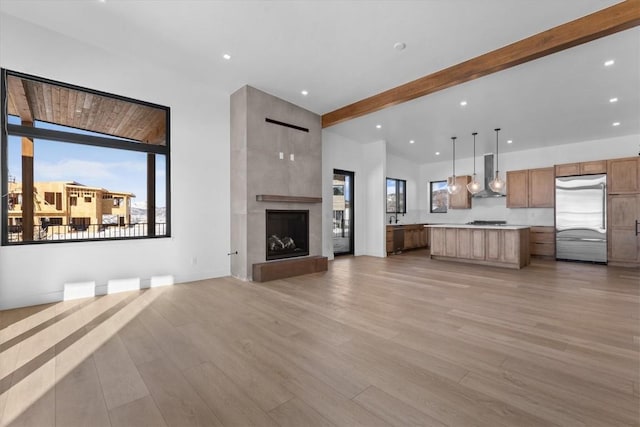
x: 489, y: 174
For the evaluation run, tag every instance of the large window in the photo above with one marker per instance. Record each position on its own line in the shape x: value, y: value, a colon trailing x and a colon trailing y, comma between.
x: 78, y: 164
x: 396, y: 196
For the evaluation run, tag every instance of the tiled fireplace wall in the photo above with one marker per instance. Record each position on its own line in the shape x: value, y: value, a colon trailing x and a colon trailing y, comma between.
x: 257, y: 169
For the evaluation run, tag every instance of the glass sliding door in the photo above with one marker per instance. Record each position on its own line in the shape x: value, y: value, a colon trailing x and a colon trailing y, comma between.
x: 343, y: 212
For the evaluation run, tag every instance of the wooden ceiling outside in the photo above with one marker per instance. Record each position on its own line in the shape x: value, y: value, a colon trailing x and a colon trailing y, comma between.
x: 33, y: 100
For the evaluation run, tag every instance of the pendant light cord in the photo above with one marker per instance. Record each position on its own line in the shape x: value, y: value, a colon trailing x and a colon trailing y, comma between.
x: 453, y: 138
x: 474, y: 153
x: 497, y: 157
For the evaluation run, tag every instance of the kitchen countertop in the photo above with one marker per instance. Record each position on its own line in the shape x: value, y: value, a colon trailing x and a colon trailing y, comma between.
x: 491, y: 227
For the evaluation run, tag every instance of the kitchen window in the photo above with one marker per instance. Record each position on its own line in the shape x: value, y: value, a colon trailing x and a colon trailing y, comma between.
x: 439, y: 196
x: 396, y: 196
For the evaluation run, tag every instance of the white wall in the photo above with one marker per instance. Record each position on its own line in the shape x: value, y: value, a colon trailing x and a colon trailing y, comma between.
x: 492, y: 208
x: 374, y: 160
x: 35, y: 274
x: 367, y: 162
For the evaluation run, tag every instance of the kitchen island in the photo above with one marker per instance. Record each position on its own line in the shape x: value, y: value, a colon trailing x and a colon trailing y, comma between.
x: 496, y: 245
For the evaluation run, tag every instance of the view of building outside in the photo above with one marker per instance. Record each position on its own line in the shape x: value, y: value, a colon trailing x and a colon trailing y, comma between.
x: 82, y: 191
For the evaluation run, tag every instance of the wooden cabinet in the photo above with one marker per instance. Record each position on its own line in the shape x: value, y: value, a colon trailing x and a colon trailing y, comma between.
x: 508, y: 248
x: 623, y: 175
x: 531, y: 188
x: 437, y: 241
x: 404, y: 237
x: 462, y: 200
x: 596, y: 167
x: 415, y: 237
x: 542, y: 186
x: 451, y: 242
x: 623, y: 238
x: 518, y: 189
x: 390, y: 240
x: 543, y: 241
x: 568, y: 169
x: 493, y: 250
x: 584, y: 168
x: 623, y: 211
x: 471, y: 244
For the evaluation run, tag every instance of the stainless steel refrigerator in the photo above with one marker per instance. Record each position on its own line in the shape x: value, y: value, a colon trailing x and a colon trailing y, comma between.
x: 581, y: 218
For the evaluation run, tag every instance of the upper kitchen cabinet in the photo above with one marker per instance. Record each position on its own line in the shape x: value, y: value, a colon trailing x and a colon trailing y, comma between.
x: 584, y: 168
x: 541, y: 188
x: 518, y: 189
x: 623, y: 175
x: 461, y: 200
x: 530, y: 188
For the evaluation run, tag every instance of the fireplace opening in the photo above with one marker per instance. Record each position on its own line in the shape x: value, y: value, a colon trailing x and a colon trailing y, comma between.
x: 287, y: 233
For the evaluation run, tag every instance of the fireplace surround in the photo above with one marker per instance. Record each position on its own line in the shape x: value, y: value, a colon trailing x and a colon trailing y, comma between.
x: 263, y: 179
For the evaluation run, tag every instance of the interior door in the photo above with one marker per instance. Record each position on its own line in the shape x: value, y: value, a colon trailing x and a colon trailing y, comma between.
x: 343, y: 212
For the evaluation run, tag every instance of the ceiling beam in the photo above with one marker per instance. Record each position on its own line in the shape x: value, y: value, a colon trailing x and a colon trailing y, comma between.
x: 605, y: 22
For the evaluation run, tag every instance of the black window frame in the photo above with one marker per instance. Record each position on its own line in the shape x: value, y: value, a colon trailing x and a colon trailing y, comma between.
x: 431, y: 198
x: 105, y: 141
x: 398, y: 183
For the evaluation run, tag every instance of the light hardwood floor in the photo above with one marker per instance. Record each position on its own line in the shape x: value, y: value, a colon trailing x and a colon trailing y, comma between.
x: 398, y: 341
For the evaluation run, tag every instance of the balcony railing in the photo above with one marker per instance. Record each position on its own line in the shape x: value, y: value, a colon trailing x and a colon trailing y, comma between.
x: 85, y: 232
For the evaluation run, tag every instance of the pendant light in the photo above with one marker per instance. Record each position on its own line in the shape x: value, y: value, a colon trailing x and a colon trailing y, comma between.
x: 497, y: 184
x: 474, y: 186
x: 453, y: 187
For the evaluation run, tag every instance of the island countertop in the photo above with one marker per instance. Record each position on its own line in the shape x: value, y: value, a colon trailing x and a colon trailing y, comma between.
x: 490, y: 227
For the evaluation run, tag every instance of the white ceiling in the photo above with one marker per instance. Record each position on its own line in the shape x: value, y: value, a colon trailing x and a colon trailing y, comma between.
x: 342, y: 51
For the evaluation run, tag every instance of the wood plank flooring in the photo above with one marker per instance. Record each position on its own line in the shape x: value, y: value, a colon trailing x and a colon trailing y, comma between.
x: 401, y: 341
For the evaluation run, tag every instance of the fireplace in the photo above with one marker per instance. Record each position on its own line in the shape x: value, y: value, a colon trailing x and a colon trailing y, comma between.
x: 287, y: 233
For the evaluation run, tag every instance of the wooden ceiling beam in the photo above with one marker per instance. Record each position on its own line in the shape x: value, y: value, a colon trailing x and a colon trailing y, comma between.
x: 605, y: 22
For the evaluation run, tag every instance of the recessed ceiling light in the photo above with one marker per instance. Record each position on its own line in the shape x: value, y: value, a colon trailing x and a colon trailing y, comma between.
x: 399, y: 46
x: 615, y: 124
x: 510, y: 141
x: 305, y: 92
x: 609, y: 62
x: 612, y: 100
x: 226, y: 56
x: 463, y: 103
x: 437, y: 153
x: 412, y: 141
x: 378, y: 126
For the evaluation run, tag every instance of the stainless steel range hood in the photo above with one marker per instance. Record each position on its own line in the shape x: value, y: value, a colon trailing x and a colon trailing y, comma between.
x: 489, y: 174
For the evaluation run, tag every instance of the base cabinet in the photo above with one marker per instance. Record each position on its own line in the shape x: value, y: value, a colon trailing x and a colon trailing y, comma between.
x: 509, y: 248
x: 543, y: 241
x: 623, y: 243
x: 471, y: 244
x: 405, y: 237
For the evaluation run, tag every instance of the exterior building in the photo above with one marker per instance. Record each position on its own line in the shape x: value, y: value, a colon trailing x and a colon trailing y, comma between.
x: 70, y: 203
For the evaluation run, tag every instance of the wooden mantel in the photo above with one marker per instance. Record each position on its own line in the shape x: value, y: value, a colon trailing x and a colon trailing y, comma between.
x: 287, y: 199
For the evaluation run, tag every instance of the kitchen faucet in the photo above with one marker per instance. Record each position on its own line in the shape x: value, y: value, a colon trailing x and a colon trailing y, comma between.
x: 394, y: 217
